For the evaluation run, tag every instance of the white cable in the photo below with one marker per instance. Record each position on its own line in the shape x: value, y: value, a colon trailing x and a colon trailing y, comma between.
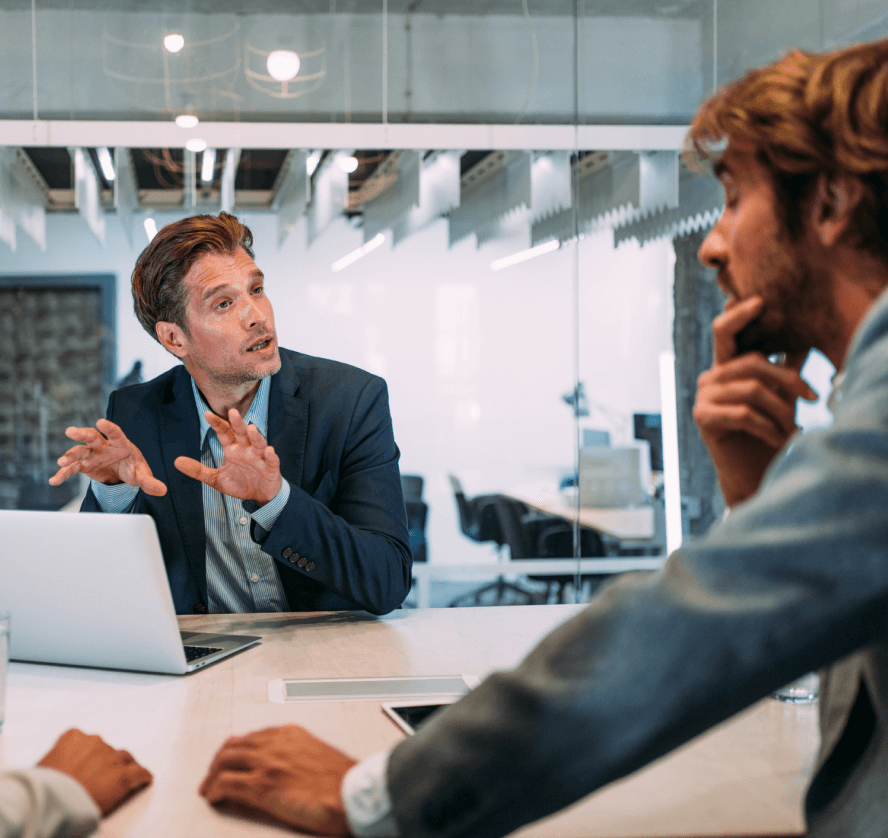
x: 536, y: 62
x: 34, y: 52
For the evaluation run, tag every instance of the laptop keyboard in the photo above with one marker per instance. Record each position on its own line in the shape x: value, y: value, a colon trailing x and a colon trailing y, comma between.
x: 193, y: 653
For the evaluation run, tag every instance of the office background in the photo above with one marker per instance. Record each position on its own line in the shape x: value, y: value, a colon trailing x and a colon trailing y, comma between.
x: 477, y: 360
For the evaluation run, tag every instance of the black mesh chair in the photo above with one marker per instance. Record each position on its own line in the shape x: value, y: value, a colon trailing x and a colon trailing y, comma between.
x: 417, y: 515
x: 557, y: 542
x: 486, y: 518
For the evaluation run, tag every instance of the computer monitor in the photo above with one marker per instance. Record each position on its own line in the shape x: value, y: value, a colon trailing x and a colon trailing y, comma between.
x: 648, y: 426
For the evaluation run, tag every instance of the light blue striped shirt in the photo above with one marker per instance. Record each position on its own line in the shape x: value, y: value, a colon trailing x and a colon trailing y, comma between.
x: 241, y: 576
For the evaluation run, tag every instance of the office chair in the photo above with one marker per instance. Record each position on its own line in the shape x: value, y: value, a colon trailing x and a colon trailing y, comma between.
x: 417, y: 515
x: 411, y: 486
x: 488, y: 518
x: 555, y: 541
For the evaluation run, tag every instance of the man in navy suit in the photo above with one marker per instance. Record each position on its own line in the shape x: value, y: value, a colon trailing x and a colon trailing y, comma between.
x: 272, y: 476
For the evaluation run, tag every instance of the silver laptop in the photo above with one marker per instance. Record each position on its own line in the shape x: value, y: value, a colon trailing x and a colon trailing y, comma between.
x: 91, y: 589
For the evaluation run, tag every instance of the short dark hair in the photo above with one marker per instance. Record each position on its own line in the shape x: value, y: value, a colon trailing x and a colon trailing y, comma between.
x: 158, y: 292
x: 804, y: 116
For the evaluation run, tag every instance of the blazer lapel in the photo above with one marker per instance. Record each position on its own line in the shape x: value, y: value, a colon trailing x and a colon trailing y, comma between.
x: 288, y: 421
x: 180, y: 435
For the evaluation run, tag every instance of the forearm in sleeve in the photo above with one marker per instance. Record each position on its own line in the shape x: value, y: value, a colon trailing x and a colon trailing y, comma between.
x: 43, y: 803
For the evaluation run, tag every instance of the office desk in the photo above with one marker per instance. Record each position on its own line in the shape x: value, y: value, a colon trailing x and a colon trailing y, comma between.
x: 745, y: 778
x: 629, y: 523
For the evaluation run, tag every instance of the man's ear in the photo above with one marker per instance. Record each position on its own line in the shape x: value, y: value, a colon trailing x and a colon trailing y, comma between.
x: 835, y: 200
x: 172, y: 337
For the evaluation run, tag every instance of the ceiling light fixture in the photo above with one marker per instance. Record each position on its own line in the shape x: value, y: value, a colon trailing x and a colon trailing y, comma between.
x: 196, y: 144
x: 208, y: 166
x: 363, y: 250
x: 524, y: 255
x: 106, y: 164
x: 282, y: 64
x: 150, y: 228
x: 174, y: 42
x: 348, y: 164
x: 311, y: 162
x: 186, y: 120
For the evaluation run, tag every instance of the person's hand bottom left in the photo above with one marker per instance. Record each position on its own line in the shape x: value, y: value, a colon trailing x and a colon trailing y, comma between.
x: 108, y: 775
x: 284, y: 772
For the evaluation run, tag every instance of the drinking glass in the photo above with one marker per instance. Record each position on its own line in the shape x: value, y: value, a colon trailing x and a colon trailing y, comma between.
x: 4, y: 661
x: 801, y: 691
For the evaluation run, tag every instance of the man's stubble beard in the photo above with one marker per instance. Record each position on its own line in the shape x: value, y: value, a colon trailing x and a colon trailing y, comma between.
x: 797, y: 314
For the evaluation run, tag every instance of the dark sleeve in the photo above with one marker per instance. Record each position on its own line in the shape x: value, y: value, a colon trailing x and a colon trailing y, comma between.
x: 352, y: 535
x: 794, y: 579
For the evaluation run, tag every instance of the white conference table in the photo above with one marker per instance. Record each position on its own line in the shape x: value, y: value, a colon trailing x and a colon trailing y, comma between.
x: 746, y: 777
x: 635, y: 523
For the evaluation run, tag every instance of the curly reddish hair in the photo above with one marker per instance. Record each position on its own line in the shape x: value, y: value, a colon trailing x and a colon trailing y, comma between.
x: 804, y: 116
x: 158, y: 291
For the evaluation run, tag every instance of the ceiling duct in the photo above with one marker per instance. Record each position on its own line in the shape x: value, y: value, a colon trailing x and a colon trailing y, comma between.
x: 699, y: 206
x: 87, y: 193
x: 501, y: 186
x: 439, y: 188
x: 22, y: 199
x: 615, y: 188
x: 402, y: 195
x: 329, y: 196
x: 290, y: 193
x: 126, y: 192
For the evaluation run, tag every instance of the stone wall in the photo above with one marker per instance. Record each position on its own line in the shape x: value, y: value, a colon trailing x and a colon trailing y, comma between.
x: 698, y: 300
x: 51, y: 343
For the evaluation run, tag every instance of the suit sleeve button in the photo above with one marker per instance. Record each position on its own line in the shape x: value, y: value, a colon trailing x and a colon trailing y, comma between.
x: 200, y: 608
x: 302, y: 561
x: 287, y: 553
x: 310, y: 567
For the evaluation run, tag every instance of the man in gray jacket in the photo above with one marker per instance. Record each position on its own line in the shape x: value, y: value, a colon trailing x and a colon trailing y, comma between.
x: 795, y: 578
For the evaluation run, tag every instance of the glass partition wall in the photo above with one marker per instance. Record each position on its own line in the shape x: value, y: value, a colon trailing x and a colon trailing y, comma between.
x: 482, y: 202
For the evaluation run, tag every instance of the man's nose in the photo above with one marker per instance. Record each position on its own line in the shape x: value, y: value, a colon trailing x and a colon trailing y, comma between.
x: 712, y: 251
x: 252, y: 315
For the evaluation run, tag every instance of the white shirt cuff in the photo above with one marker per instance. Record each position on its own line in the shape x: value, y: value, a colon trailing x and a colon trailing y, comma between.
x: 266, y: 515
x: 42, y: 802
x: 365, y: 797
x: 113, y: 498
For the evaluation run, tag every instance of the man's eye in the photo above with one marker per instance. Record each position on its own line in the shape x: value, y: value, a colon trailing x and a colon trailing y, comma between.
x: 223, y: 304
x: 258, y: 289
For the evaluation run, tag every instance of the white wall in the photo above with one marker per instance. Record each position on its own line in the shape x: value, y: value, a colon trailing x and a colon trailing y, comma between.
x: 476, y: 360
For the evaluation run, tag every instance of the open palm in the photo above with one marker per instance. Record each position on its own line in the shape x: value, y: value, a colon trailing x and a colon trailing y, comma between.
x: 251, y: 469
x: 105, y: 454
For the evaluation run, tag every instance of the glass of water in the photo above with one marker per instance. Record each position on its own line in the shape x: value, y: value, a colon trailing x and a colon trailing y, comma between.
x: 801, y: 691
x: 4, y: 662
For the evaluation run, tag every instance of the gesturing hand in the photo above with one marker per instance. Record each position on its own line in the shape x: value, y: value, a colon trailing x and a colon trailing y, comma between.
x: 108, y: 775
x: 745, y: 406
x: 106, y: 455
x: 250, y: 471
x: 284, y: 772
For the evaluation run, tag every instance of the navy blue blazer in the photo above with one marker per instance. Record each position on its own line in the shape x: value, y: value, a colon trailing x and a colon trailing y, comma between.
x: 330, y: 425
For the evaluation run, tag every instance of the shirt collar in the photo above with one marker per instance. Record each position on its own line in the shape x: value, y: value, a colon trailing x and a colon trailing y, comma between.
x: 256, y: 415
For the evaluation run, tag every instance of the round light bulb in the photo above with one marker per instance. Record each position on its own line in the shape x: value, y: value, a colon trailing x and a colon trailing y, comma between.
x: 174, y: 42
x: 196, y: 144
x: 348, y: 164
x: 186, y: 120
x: 283, y: 64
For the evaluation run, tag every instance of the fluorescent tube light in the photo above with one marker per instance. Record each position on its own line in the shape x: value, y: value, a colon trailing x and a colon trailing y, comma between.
x: 363, y: 250
x: 105, y: 162
x: 208, y: 165
x: 524, y: 255
x: 671, y: 482
x: 150, y: 228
